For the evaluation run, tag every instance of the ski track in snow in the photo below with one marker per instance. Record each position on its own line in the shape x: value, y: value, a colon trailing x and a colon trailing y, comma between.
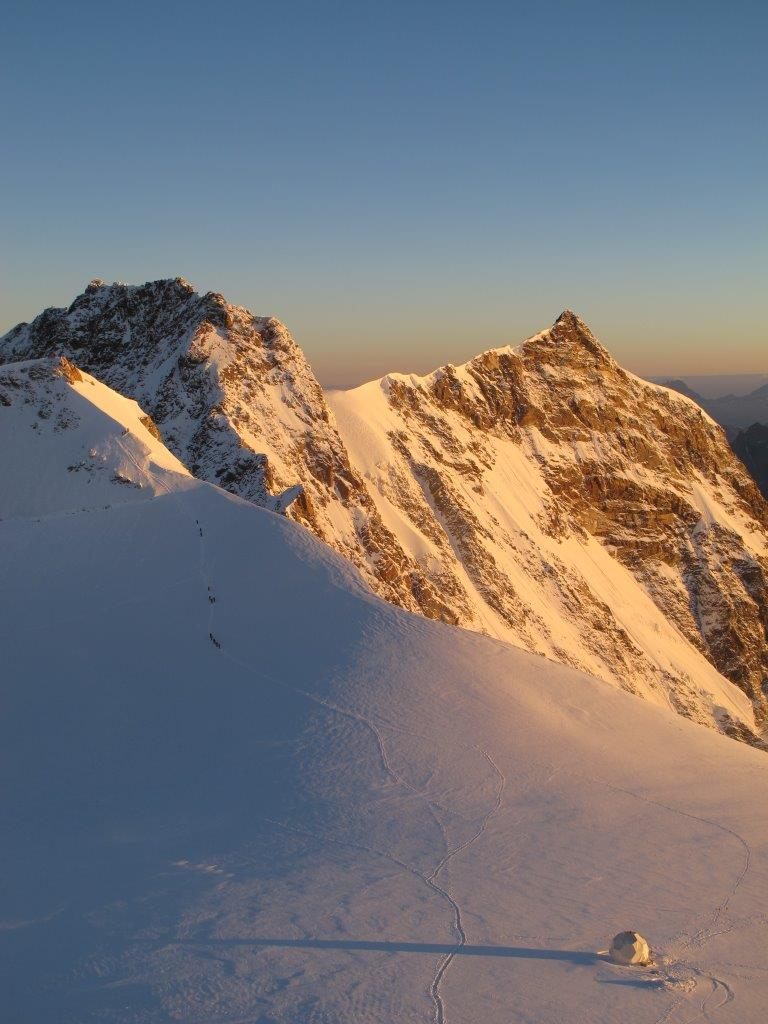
x: 716, y: 986
x: 698, y: 939
x: 700, y: 996
x: 719, y: 987
x: 429, y: 880
x: 701, y: 936
x: 440, y: 1016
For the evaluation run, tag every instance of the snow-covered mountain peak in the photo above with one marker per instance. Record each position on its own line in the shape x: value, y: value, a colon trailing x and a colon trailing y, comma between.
x: 237, y: 402
x: 146, y: 319
x: 183, y: 354
x: 492, y: 389
x: 538, y: 493
x: 578, y: 511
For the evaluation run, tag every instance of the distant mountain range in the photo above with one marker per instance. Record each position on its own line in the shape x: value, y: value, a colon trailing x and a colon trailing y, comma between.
x: 717, y: 385
x: 732, y: 411
x: 539, y: 494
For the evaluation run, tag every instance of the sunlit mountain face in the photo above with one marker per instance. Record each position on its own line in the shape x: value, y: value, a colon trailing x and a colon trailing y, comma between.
x: 539, y: 494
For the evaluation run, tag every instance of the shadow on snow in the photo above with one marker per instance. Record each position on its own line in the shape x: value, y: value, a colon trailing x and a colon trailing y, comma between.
x: 521, y: 952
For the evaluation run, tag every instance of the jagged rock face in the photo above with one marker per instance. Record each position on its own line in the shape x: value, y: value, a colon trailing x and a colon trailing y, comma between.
x: 745, y: 421
x: 541, y: 494
x: 579, y: 512
x: 176, y: 352
x: 235, y: 399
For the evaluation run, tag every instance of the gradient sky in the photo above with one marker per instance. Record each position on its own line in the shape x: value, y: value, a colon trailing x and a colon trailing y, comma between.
x: 403, y: 184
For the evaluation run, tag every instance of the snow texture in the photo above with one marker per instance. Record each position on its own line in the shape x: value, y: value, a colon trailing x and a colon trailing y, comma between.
x: 239, y: 787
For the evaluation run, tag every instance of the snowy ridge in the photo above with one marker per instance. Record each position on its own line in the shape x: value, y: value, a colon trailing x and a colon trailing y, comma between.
x: 390, y: 820
x: 61, y: 430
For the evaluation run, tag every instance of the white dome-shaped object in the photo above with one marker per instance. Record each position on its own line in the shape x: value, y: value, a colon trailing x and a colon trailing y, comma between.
x: 630, y: 948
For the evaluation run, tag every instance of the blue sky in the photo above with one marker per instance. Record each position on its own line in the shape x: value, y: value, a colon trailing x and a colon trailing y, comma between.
x: 404, y: 184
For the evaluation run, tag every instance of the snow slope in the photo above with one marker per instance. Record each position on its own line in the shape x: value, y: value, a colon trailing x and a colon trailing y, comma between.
x: 238, y: 787
x: 71, y: 443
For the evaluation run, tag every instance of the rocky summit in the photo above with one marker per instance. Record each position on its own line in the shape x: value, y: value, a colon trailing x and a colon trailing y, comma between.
x: 539, y: 494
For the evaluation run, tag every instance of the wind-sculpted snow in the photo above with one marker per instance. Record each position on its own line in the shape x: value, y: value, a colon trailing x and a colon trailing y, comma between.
x: 237, y: 786
x: 540, y: 494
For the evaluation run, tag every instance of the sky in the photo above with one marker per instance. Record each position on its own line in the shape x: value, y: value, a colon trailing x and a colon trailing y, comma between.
x: 404, y: 184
